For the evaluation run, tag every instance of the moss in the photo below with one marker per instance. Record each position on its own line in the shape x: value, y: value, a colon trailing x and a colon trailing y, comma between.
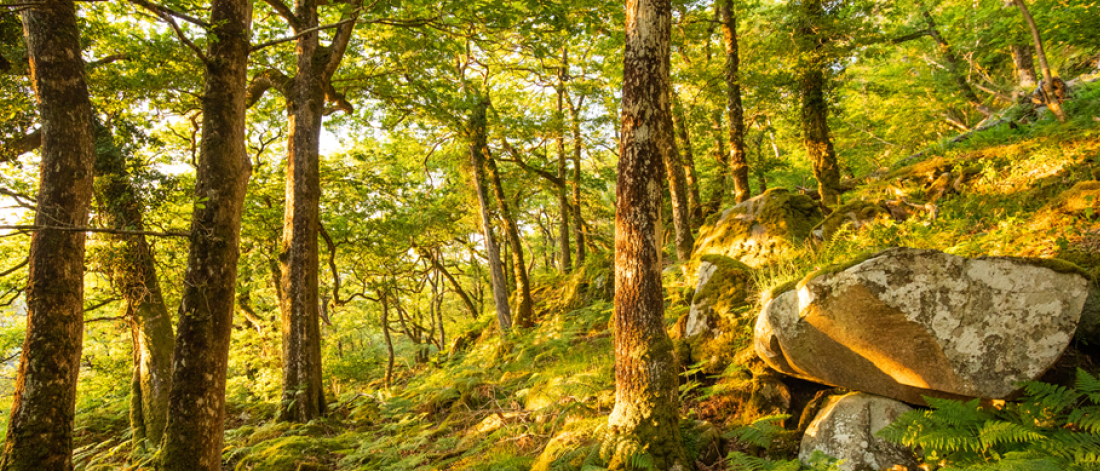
x: 1083, y: 198
x: 837, y: 267
x: 762, y: 228
x: 780, y: 289
x: 1059, y: 265
x: 294, y: 453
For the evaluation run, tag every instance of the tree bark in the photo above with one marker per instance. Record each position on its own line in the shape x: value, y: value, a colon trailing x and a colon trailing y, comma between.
x: 41, y: 425
x: 718, y: 192
x: 646, y: 413
x: 478, y: 146
x: 677, y: 186
x: 524, y: 305
x: 578, y: 221
x: 954, y: 67
x: 196, y: 404
x: 388, y: 339
x: 563, y: 201
x: 679, y: 123
x: 303, y: 396
x: 739, y: 164
x: 134, y: 275
x: 1025, y: 66
x: 815, y: 110
x: 1052, y: 98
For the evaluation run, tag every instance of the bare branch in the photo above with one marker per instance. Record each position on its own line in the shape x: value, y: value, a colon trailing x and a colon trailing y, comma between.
x: 13, y: 269
x: 302, y: 33
x: 21, y: 146
x: 284, y: 11
x: 26, y: 228
x: 101, y: 304
x: 162, y: 10
x: 269, y: 79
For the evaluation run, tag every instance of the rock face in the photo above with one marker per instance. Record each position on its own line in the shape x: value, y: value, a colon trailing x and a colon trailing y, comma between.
x: 759, y: 230
x: 845, y: 429
x: 907, y: 322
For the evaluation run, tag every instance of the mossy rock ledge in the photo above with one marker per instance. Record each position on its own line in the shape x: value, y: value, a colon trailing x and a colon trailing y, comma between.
x: 907, y: 323
x: 762, y: 229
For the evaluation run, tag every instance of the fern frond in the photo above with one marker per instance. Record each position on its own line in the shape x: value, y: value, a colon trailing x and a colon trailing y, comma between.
x: 997, y: 432
x: 1088, y: 384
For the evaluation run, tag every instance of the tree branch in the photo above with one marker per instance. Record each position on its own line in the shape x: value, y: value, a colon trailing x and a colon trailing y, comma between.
x: 96, y: 230
x: 21, y: 146
x: 273, y: 42
x: 270, y: 78
x: 162, y: 10
x: 13, y: 269
x: 284, y: 11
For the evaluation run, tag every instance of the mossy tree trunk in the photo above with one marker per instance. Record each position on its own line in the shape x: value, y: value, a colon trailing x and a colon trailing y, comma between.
x: 678, y: 191
x: 739, y: 163
x: 524, y: 304
x: 679, y: 123
x: 134, y: 275
x: 721, y: 177
x: 477, y: 131
x: 563, y: 200
x: 815, y: 109
x: 578, y: 144
x: 41, y: 423
x: 196, y: 404
x: 645, y: 419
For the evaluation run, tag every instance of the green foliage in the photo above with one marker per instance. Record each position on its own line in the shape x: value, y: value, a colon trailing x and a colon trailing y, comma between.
x: 1051, y: 427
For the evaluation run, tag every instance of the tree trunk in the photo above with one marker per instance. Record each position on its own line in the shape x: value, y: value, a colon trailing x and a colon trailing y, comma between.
x: 454, y: 284
x: 677, y: 186
x: 646, y: 413
x: 718, y: 193
x: 524, y: 306
x: 739, y: 164
x: 815, y: 110
x: 478, y: 145
x: 1025, y: 66
x: 134, y: 274
x: 679, y: 123
x: 388, y: 339
x: 563, y: 201
x: 954, y: 67
x: 1052, y: 98
x: 40, y: 430
x: 578, y: 221
x: 196, y: 404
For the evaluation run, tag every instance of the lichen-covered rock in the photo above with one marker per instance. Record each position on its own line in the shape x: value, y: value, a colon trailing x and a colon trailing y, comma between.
x: 723, y: 286
x: 761, y: 229
x: 845, y: 429
x: 854, y: 214
x: 907, y: 322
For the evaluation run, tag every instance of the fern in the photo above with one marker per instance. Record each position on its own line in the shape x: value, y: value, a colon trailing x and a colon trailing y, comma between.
x: 1052, y: 428
x: 762, y: 431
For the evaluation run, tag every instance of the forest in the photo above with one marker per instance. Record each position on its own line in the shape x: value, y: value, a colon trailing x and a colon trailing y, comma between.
x: 711, y: 235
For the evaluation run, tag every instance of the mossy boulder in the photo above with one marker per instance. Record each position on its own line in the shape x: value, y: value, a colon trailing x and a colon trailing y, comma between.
x: 294, y: 453
x: 569, y: 450
x: 702, y: 441
x: 724, y: 286
x: 762, y: 229
x: 854, y: 214
x: 1081, y: 200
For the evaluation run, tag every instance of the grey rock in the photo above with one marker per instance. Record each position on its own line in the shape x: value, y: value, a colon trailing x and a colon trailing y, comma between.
x: 845, y: 429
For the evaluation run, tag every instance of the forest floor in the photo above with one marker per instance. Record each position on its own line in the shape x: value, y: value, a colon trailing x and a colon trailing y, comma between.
x: 506, y: 400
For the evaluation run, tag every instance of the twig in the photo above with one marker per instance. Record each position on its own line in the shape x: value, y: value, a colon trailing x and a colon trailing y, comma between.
x: 13, y: 269
x: 96, y: 229
x: 163, y: 10
x: 97, y: 306
x: 303, y: 33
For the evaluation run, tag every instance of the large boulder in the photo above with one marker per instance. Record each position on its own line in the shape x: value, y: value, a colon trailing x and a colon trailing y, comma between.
x: 907, y: 322
x: 845, y: 429
x: 855, y: 214
x: 761, y: 229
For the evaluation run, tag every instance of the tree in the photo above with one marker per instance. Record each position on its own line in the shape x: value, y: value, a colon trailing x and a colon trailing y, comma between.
x: 563, y: 201
x: 40, y: 431
x: 815, y: 109
x: 477, y: 131
x: 196, y: 404
x: 524, y: 305
x: 306, y: 94
x: 134, y: 276
x: 739, y: 164
x: 646, y: 418
x: 1052, y: 86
